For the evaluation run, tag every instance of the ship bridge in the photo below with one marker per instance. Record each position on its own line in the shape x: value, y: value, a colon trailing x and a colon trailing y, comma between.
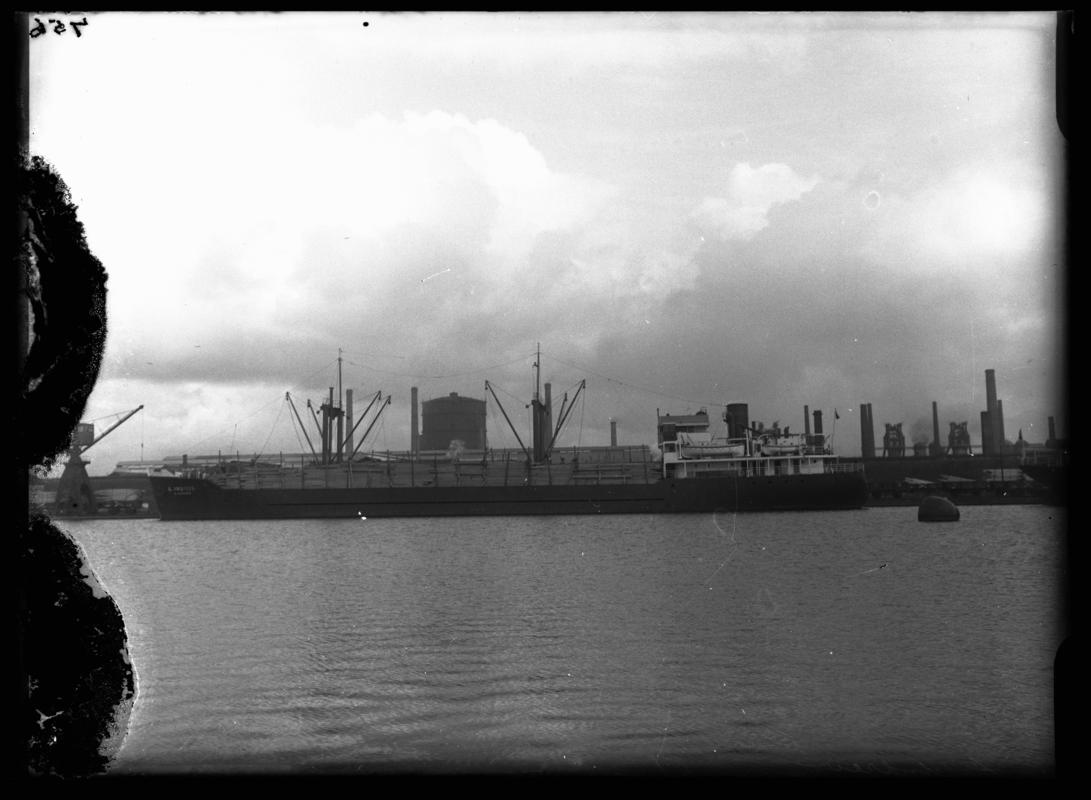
x: 670, y: 425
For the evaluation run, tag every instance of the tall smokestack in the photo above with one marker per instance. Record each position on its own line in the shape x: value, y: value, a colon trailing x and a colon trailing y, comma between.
x: 414, y: 423
x: 817, y: 423
x: 937, y: 446
x: 998, y: 427
x: 986, y: 435
x: 871, y: 430
x: 613, y: 433
x: 867, y: 432
x: 994, y: 416
x: 806, y: 420
x: 863, y: 429
x: 348, y: 422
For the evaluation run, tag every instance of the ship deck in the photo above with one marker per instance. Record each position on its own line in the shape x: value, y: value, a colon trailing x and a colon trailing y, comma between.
x: 635, y: 467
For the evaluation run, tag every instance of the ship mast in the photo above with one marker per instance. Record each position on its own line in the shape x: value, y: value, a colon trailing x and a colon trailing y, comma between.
x: 538, y: 413
x: 340, y: 411
x: 537, y: 371
x: 542, y: 438
x: 332, y: 449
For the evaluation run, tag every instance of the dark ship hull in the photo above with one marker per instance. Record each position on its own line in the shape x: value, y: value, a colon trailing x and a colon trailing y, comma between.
x: 201, y: 499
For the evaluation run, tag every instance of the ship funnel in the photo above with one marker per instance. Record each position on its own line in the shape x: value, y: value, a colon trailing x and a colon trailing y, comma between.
x: 737, y: 418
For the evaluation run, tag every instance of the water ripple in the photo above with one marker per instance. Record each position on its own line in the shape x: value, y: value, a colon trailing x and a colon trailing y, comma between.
x: 608, y: 644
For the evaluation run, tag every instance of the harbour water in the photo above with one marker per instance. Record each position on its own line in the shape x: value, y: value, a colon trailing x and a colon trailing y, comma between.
x: 860, y: 642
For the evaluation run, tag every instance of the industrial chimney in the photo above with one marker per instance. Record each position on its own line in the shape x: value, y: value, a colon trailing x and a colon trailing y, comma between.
x: 937, y: 446
x: 867, y: 432
x: 991, y: 423
x: 613, y: 433
x: 414, y: 424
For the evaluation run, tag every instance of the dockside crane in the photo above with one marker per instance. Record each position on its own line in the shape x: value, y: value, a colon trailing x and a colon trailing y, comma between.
x: 75, y: 497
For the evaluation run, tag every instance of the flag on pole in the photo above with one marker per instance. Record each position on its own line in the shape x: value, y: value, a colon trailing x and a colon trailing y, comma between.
x: 836, y: 415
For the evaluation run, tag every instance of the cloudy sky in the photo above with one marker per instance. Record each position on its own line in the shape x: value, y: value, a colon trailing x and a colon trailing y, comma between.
x: 685, y: 210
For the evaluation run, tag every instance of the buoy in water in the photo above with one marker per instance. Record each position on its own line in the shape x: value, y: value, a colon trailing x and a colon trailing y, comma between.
x: 937, y: 509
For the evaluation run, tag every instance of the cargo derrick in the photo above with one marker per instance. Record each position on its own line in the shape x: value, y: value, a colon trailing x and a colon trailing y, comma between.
x: 334, y: 450
x: 75, y: 497
x: 543, y: 438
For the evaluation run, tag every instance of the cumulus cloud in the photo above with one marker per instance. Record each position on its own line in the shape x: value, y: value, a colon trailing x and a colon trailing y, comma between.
x: 436, y: 194
x: 978, y: 215
x: 751, y: 195
x: 373, y: 215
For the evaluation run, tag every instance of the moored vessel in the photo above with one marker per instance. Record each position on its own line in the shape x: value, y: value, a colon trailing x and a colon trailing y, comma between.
x: 690, y: 471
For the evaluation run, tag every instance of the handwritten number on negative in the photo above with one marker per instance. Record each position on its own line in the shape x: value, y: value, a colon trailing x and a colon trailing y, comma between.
x: 58, y: 27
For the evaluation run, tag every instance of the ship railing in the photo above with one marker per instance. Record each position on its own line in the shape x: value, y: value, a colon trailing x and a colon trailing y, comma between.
x: 844, y: 467
x: 597, y: 473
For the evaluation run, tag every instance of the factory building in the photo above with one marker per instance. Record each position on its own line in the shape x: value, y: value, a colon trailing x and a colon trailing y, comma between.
x: 993, y: 441
x: 450, y: 419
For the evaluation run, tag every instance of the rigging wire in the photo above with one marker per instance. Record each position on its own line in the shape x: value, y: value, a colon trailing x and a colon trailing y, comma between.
x: 640, y: 388
x: 579, y: 437
x: 110, y: 416
x: 302, y: 385
x: 435, y: 377
x: 307, y: 379
x: 271, y: 429
x: 509, y: 394
x: 220, y: 431
x: 499, y: 424
x: 295, y: 430
x: 382, y: 435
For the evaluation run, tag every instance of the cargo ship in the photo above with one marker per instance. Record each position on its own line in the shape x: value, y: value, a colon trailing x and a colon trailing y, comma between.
x: 691, y: 471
